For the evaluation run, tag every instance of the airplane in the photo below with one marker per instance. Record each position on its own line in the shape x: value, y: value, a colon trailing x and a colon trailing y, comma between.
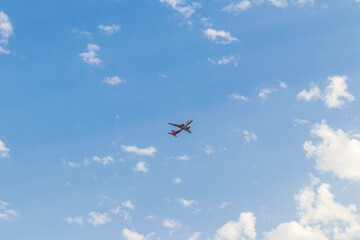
x: 184, y: 126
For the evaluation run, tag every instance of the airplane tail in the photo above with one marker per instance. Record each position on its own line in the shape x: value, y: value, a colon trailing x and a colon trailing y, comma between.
x: 172, y: 134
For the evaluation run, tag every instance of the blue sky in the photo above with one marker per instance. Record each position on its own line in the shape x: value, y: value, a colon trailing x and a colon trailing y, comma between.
x: 87, y: 90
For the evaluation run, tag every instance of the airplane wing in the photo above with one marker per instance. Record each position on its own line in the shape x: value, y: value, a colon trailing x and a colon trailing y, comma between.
x: 188, y: 130
x: 176, y: 125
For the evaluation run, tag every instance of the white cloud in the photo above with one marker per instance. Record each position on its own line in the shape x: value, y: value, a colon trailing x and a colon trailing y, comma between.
x: 206, y: 21
x: 104, y: 160
x: 132, y: 235
x: 150, y: 217
x: 183, y: 157
x: 74, y: 220
x: 283, y: 85
x: 171, y: 223
x: 224, y: 204
x: 6, y: 213
x: 6, y: 31
x: 243, y: 229
x: 297, y: 122
x: 239, y: 97
x: 141, y: 167
x: 113, y: 80
x: 295, y: 231
x: 236, y: 8
x: 109, y: 30
x: 279, y: 3
x: 335, y: 93
x: 302, y: 2
x: 249, y: 136
x: 195, y: 236
x: 265, y: 92
x: 148, y: 151
x: 219, y: 36
x: 90, y: 56
x: 320, y: 217
x: 4, y: 151
x: 177, y: 181
x: 208, y: 150
x: 224, y: 60
x: 182, y: 7
x: 187, y: 203
x: 313, y: 93
x: 128, y: 204
x: 338, y: 151
x: 96, y: 218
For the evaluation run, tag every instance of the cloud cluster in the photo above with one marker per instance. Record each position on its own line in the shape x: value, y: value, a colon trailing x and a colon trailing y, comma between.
x: 90, y: 57
x: 6, y: 31
x: 148, y: 151
x: 113, y: 80
x: 334, y: 96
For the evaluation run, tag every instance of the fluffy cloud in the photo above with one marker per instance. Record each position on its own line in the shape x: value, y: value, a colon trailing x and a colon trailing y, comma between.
x: 320, y: 217
x: 141, y: 167
x: 90, y: 56
x: 295, y: 231
x: 337, y: 151
x: 249, y: 136
x: 128, y: 204
x: 6, y: 213
x: 239, y: 97
x: 4, y: 151
x: 181, y: 7
x: 171, y: 223
x: 113, y: 80
x: 74, y: 220
x: 109, y: 30
x: 219, y: 36
x: 335, y: 93
x: 6, y: 31
x: 132, y: 235
x: 187, y: 203
x: 236, y: 8
x: 243, y: 229
x: 148, y: 151
x: 96, y: 218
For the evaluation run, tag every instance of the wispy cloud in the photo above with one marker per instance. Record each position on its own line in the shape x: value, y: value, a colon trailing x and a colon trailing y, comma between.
x: 177, y: 180
x: 7, y: 213
x: 264, y: 92
x: 104, y: 160
x: 239, y: 97
x: 171, y: 223
x: 249, y: 136
x: 109, y: 29
x: 219, y: 36
x: 224, y: 60
x: 90, y: 57
x: 128, y: 204
x: 74, y: 220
